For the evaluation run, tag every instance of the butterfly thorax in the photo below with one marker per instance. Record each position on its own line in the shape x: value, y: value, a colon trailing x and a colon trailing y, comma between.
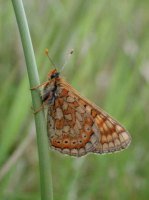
x: 51, y: 87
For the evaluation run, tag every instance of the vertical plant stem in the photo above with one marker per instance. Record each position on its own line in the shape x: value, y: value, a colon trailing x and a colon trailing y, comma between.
x: 43, y: 151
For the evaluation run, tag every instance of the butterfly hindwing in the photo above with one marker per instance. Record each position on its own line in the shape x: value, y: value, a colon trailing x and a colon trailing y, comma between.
x: 77, y: 127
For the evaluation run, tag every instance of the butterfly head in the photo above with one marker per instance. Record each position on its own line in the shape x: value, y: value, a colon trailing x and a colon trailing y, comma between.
x: 53, y: 74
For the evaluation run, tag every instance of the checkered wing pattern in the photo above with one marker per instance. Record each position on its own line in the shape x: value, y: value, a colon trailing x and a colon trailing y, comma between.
x: 77, y: 127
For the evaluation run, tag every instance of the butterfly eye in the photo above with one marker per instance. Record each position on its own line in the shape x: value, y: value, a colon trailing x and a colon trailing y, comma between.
x: 56, y: 75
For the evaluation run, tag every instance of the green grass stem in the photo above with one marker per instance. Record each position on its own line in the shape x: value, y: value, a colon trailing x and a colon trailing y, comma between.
x: 43, y: 150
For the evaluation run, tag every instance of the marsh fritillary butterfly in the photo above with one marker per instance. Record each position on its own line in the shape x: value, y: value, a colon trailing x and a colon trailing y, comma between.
x: 76, y: 126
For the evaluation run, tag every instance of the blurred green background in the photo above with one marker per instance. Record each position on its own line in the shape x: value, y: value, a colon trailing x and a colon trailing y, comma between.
x: 110, y: 66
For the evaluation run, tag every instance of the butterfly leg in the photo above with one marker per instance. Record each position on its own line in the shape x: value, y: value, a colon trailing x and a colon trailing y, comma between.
x: 43, y: 104
x: 39, y: 109
x: 38, y: 86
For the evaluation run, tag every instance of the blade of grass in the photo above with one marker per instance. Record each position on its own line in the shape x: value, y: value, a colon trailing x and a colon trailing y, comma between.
x: 43, y: 152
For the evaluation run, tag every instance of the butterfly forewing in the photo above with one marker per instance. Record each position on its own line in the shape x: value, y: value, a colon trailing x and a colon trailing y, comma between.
x: 77, y: 127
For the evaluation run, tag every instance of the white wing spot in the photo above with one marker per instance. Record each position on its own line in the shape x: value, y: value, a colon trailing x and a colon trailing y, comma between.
x: 65, y: 106
x: 68, y: 117
x: 80, y: 110
x: 59, y: 114
x: 88, y: 109
x: 70, y: 99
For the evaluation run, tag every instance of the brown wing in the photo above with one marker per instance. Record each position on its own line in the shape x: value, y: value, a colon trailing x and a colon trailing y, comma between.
x: 77, y: 127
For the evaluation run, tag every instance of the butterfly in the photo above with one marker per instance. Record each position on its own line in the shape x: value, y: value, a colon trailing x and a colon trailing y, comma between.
x: 75, y: 125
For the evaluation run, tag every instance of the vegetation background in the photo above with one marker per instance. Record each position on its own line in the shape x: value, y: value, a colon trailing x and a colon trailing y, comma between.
x: 110, y: 66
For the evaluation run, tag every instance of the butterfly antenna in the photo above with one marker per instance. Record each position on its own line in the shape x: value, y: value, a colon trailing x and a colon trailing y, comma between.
x: 66, y: 61
x: 47, y: 54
